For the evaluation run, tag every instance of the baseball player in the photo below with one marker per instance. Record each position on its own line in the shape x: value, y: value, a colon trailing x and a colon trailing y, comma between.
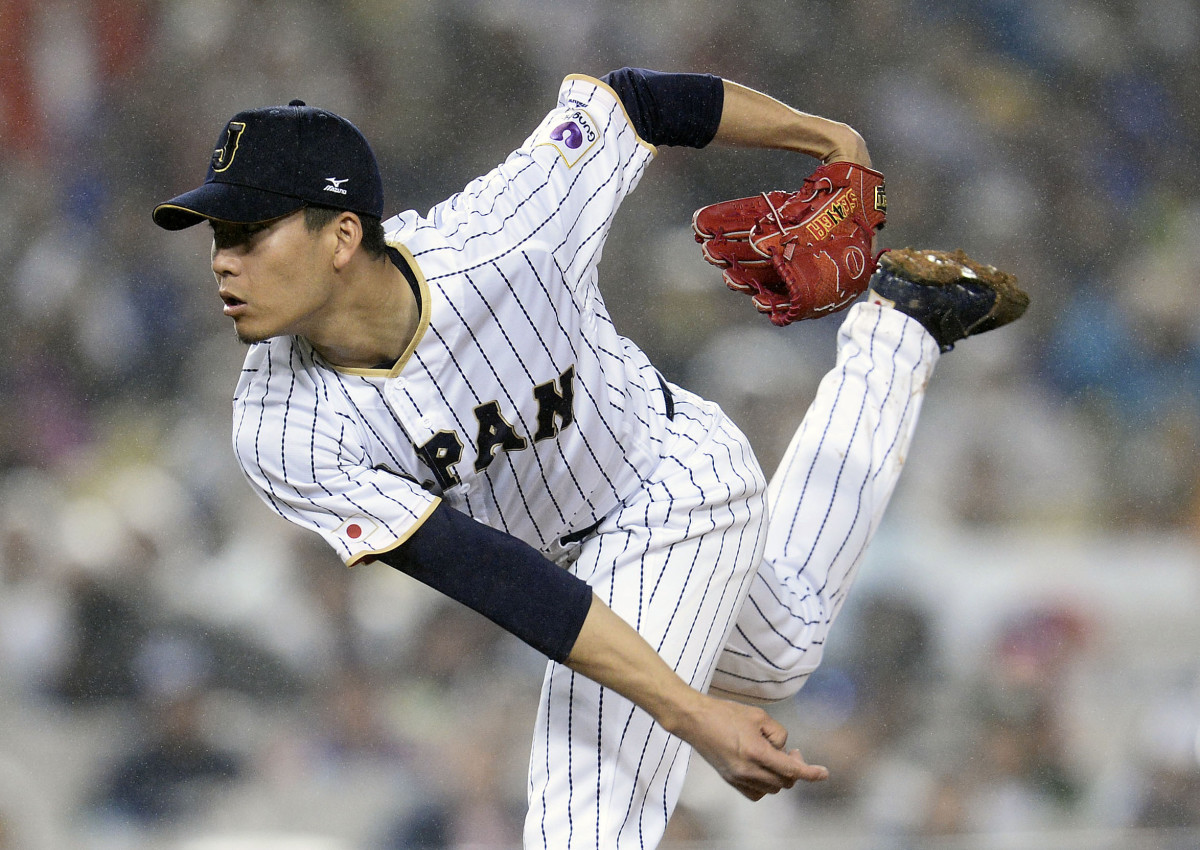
x: 446, y: 393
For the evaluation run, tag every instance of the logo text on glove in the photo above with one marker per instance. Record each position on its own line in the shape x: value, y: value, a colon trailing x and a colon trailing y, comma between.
x: 839, y: 208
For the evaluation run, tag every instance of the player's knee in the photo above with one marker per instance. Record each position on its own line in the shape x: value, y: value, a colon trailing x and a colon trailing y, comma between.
x: 760, y: 683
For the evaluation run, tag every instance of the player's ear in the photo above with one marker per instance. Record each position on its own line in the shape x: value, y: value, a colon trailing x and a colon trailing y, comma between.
x: 348, y: 231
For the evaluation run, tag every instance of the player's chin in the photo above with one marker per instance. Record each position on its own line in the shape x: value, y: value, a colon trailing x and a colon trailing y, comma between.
x: 248, y: 335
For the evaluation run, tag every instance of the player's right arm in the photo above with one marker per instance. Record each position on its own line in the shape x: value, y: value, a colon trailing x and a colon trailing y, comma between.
x: 555, y: 612
x: 743, y: 743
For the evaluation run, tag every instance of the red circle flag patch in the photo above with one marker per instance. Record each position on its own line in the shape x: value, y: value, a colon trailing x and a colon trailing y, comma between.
x: 357, y: 529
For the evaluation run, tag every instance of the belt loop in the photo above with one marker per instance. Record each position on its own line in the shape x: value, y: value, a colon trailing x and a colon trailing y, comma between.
x: 668, y: 399
x: 580, y: 535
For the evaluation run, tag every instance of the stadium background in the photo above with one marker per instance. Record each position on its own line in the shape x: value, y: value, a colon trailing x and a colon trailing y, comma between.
x: 1021, y: 666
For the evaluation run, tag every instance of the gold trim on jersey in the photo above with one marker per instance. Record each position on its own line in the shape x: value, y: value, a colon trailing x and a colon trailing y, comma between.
x: 606, y: 87
x: 357, y: 559
x: 422, y: 322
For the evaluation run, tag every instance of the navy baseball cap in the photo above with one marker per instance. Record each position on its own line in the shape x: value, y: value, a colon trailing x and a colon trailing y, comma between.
x: 272, y: 161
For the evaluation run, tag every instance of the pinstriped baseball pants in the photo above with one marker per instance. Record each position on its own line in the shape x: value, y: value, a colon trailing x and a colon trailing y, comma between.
x: 827, y: 499
x: 724, y: 597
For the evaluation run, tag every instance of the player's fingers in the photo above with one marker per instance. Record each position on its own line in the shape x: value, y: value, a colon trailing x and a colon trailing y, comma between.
x: 809, y: 772
x: 771, y: 770
x: 756, y: 779
x: 770, y: 783
x: 752, y: 793
x: 760, y: 784
x: 774, y: 732
x: 796, y: 767
x: 787, y: 768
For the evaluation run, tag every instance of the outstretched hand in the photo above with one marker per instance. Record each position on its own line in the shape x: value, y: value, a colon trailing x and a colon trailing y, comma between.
x: 746, y: 746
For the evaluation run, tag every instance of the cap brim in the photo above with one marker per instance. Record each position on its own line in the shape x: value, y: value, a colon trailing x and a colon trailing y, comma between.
x: 223, y: 202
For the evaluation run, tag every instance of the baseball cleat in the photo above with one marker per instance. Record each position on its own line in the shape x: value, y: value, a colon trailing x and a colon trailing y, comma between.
x: 953, y: 296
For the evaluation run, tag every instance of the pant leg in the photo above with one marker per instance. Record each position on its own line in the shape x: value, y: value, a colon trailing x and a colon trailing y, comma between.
x: 826, y: 501
x: 675, y: 562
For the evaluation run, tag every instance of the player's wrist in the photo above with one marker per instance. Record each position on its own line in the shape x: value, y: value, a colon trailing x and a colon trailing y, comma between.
x: 681, y: 712
x: 846, y: 145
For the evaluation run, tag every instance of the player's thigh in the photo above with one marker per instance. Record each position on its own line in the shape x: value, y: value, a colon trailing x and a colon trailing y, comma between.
x: 676, y: 561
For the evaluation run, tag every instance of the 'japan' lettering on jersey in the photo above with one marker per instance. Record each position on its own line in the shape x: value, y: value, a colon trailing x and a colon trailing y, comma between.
x: 517, y: 401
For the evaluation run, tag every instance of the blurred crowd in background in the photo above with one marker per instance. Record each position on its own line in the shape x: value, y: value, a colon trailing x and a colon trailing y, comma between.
x: 178, y: 667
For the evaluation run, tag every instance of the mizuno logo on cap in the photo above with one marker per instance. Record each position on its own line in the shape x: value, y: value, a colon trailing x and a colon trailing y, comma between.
x: 335, y: 185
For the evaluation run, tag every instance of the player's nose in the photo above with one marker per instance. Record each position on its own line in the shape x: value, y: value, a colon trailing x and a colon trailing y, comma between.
x: 224, y: 262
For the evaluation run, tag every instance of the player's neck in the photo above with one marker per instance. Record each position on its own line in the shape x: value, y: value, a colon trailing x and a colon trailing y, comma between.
x: 374, y: 321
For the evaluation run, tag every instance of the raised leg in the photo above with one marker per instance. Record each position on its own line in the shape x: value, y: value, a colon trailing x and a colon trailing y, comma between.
x: 826, y: 501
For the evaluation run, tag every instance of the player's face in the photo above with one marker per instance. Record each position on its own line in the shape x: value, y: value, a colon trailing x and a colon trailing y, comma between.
x: 271, y: 277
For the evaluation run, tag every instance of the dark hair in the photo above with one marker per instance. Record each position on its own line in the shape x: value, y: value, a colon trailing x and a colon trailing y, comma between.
x: 316, y: 217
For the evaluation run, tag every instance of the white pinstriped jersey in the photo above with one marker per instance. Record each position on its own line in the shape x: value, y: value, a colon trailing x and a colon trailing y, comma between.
x: 517, y: 402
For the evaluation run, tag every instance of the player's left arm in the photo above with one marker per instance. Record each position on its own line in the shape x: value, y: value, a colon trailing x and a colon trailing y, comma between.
x: 752, y: 119
x: 762, y: 243
x: 693, y: 110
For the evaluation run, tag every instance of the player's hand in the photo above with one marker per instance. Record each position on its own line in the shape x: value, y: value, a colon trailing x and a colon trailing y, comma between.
x: 746, y: 746
x: 744, y: 743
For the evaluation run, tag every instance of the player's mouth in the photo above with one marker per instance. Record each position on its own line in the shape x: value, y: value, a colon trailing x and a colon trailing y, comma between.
x: 233, y: 305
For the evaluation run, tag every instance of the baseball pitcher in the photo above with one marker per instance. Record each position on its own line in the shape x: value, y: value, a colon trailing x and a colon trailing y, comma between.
x: 445, y: 393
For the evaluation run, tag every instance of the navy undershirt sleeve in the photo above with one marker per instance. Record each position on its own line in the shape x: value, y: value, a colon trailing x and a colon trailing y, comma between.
x: 670, y: 109
x: 501, y: 577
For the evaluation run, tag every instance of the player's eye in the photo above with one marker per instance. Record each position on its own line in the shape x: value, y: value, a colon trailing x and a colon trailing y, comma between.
x: 227, y: 235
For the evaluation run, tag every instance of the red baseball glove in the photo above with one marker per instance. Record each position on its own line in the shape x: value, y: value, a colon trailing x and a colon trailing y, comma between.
x: 799, y: 254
